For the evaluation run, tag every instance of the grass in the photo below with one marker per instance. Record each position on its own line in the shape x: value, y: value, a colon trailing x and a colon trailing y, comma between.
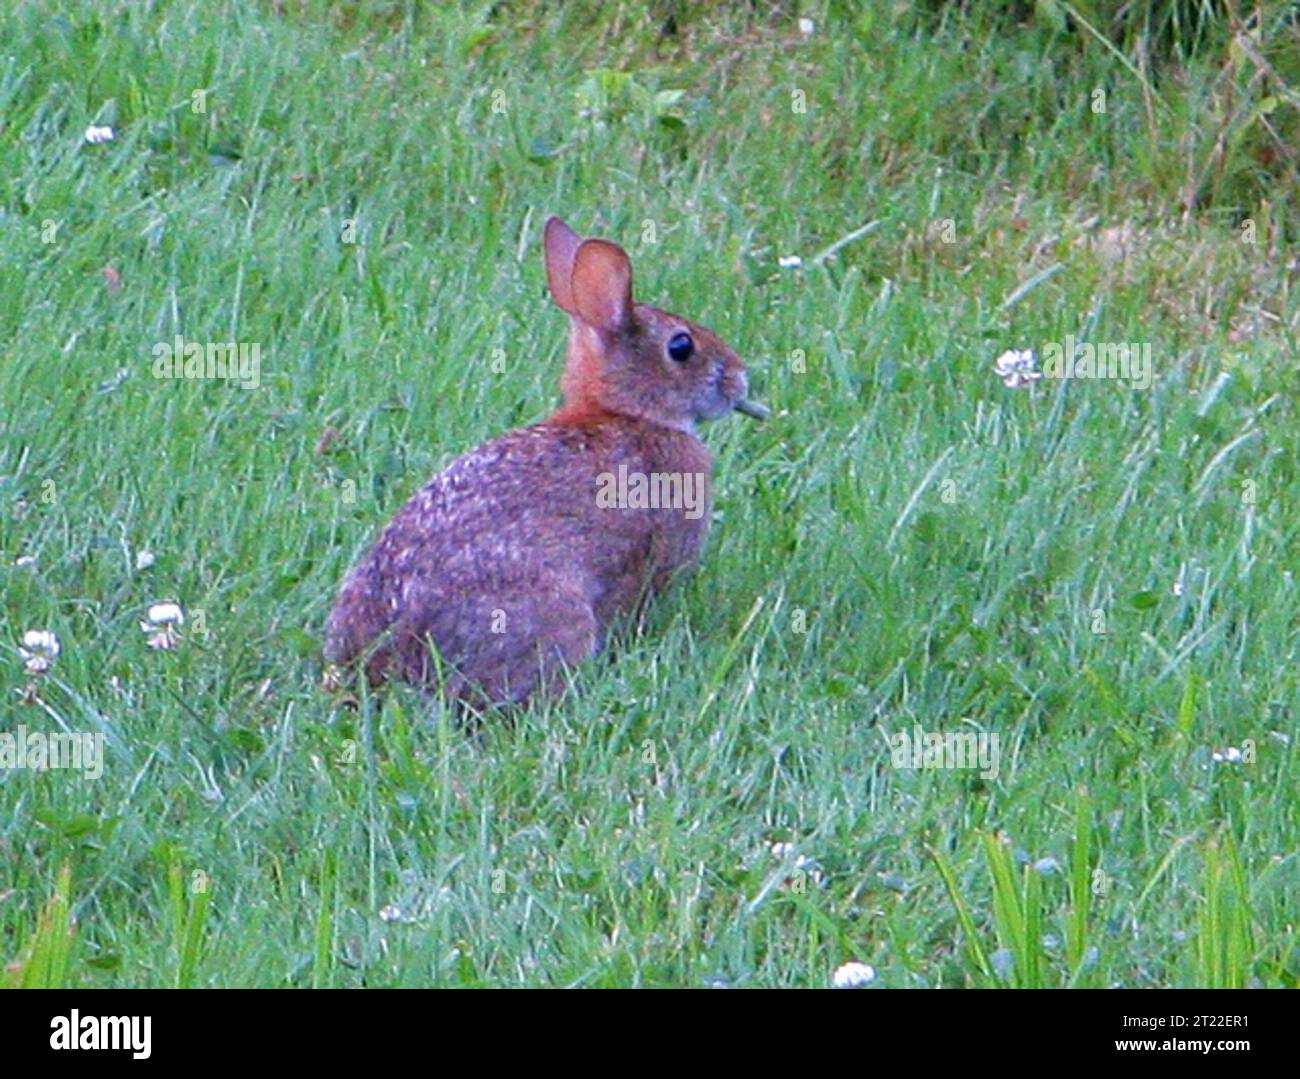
x: 1100, y: 575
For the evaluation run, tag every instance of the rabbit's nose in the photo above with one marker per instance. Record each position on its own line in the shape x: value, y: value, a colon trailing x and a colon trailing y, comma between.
x: 732, y: 381
x: 736, y: 386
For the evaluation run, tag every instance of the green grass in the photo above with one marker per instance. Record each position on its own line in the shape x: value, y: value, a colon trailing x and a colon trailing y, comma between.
x: 1102, y: 576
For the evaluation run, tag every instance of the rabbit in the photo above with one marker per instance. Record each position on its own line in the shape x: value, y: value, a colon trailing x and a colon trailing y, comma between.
x: 508, y: 568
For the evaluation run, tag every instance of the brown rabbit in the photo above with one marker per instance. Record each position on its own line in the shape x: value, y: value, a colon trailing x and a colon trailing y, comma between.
x: 514, y: 560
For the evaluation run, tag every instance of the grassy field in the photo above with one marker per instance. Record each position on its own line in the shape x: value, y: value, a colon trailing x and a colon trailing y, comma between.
x: 1100, y: 574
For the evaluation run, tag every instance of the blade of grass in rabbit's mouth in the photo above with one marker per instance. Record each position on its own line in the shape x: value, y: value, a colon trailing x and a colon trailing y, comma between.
x: 753, y: 408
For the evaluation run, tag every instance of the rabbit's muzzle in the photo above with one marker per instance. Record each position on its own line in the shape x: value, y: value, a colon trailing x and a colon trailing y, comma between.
x: 727, y: 391
x: 723, y: 392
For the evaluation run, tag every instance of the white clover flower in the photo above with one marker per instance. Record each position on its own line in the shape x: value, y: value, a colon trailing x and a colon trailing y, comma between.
x: 165, y: 614
x: 1231, y: 755
x: 807, y: 27
x: 40, y: 647
x: 391, y: 913
x: 96, y: 135
x: 1017, y: 367
x: 853, y: 976
x: 164, y: 620
x: 144, y: 559
x: 44, y: 641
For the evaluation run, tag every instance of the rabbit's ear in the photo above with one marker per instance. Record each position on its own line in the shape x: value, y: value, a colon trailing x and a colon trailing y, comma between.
x: 602, y: 285
x: 559, y: 244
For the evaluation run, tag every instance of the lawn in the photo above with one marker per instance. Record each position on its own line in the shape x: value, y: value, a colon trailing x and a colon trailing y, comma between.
x: 871, y: 205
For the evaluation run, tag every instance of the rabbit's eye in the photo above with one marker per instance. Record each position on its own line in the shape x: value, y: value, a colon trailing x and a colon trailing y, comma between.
x: 681, y: 347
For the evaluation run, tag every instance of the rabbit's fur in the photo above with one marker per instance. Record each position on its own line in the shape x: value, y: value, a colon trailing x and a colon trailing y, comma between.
x: 509, y: 562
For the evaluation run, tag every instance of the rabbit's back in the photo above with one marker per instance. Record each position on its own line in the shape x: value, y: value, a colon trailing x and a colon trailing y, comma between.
x: 517, y: 551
